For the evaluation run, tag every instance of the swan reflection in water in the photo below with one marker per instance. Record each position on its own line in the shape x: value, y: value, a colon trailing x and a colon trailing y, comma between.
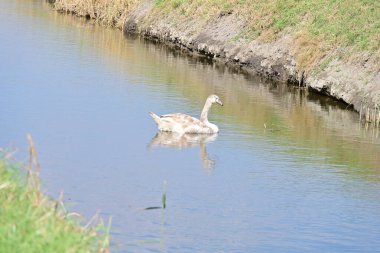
x: 177, y: 140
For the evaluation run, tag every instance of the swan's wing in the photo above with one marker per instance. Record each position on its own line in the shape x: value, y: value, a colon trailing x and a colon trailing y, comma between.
x: 180, y: 118
x: 178, y: 122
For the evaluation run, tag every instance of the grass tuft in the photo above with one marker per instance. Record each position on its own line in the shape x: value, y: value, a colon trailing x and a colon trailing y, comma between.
x: 32, y: 222
x: 106, y: 12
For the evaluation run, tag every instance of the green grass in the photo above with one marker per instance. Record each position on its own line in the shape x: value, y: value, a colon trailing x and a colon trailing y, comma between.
x: 31, y: 222
x: 349, y: 22
x: 318, y: 26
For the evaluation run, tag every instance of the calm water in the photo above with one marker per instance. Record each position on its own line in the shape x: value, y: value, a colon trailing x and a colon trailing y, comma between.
x: 289, y: 171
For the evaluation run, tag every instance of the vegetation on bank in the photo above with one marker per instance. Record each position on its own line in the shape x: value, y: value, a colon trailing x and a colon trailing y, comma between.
x: 321, y: 28
x: 32, y: 222
x: 108, y: 12
x: 319, y: 33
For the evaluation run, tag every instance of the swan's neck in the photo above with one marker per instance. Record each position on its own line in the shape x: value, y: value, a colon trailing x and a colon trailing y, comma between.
x: 204, y: 114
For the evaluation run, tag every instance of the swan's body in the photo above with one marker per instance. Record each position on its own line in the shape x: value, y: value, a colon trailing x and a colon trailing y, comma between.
x: 182, y: 123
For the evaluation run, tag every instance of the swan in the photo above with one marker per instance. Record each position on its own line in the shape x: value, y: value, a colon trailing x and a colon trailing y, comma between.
x: 182, y: 123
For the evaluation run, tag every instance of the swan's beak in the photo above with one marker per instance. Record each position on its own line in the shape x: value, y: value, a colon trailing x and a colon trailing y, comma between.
x: 219, y: 102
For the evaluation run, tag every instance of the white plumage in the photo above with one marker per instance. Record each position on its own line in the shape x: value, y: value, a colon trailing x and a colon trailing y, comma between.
x: 182, y: 123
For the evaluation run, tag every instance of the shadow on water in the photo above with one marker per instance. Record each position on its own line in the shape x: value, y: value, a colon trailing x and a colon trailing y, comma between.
x: 291, y: 115
x: 180, y: 141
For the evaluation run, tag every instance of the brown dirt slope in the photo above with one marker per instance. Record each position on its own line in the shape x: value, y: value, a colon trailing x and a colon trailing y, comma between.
x: 355, y: 81
x: 289, y: 56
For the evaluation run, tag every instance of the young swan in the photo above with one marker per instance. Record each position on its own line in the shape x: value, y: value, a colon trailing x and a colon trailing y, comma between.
x: 182, y: 123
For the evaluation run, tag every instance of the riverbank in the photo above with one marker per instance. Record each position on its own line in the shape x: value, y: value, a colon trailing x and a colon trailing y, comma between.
x: 32, y: 222
x: 330, y: 48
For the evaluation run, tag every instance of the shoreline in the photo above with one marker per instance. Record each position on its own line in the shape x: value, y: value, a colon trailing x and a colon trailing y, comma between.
x: 355, y: 81
x: 28, y: 215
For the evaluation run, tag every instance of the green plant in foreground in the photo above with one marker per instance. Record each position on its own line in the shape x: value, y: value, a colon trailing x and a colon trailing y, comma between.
x: 31, y: 222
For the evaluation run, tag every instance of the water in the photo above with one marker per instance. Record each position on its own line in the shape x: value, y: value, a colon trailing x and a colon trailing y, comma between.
x: 289, y: 171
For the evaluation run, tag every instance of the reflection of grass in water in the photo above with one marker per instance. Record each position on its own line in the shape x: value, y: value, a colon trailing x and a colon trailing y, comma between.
x: 32, y: 222
x: 291, y: 115
x: 318, y: 26
x: 160, y: 240
x: 295, y: 118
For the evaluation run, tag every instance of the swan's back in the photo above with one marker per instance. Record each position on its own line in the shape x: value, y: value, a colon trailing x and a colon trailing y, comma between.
x: 180, y: 123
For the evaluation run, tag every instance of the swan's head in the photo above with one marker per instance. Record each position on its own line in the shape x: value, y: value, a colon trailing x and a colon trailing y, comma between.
x: 215, y: 99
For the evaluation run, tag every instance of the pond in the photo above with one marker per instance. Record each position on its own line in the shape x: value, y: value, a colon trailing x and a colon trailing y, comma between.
x: 289, y: 171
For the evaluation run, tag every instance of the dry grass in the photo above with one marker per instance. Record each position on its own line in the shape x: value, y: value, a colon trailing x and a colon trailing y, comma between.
x: 107, y: 12
x: 319, y: 27
x: 308, y: 50
x: 32, y: 222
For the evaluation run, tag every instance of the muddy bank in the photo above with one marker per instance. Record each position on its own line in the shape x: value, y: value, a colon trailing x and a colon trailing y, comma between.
x: 355, y: 81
